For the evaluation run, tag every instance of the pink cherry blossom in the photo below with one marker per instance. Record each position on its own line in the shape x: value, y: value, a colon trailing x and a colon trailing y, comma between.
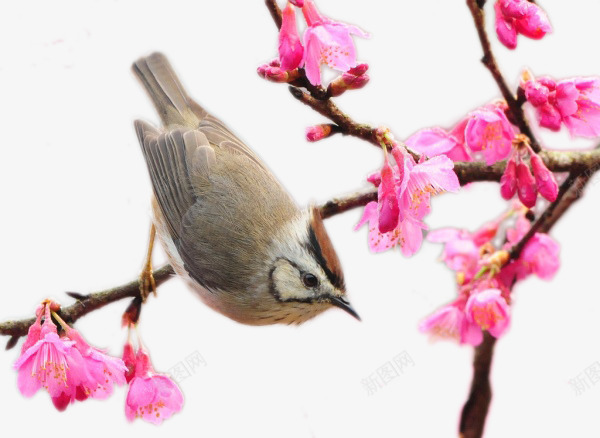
x: 103, y: 370
x: 327, y: 42
x: 51, y: 363
x: 460, y: 252
x: 408, y: 234
x: 574, y: 102
x: 414, y: 184
x: 451, y: 322
x: 489, y: 131
x: 540, y: 256
x: 489, y: 310
x: 68, y: 368
x: 436, y: 141
x: 515, y: 17
x: 151, y: 396
x: 424, y: 179
x: 290, y: 47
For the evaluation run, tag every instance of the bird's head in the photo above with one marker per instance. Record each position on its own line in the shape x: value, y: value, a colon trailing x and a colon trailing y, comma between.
x: 305, y: 276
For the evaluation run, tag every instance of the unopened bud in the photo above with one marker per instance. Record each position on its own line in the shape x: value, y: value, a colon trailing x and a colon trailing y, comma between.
x: 359, y: 70
x: 298, y: 3
x: 318, y: 132
x: 353, y: 79
x: 274, y: 73
x: 132, y: 313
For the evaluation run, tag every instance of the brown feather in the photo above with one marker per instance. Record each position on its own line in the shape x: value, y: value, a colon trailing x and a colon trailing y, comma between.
x: 323, y: 250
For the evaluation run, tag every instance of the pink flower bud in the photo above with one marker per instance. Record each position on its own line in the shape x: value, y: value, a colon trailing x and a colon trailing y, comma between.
x: 547, y: 82
x: 549, y: 117
x: 536, y: 93
x: 277, y: 74
x: 508, y: 182
x: 398, y: 153
x: 375, y: 178
x: 298, y: 3
x: 514, y: 8
x: 519, y: 17
x: 507, y: 34
x: 535, y: 24
x: 290, y: 47
x: 389, y: 209
x: 546, y: 183
x: 318, y: 132
x: 347, y: 81
x: 526, y: 187
x: 359, y: 70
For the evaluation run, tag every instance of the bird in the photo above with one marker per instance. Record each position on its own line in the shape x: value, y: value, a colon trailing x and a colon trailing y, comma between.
x: 229, y: 228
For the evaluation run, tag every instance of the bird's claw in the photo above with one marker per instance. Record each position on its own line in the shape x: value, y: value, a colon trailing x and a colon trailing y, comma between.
x: 147, y: 283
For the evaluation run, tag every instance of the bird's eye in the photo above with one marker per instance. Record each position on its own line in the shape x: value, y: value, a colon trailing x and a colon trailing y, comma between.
x: 310, y: 280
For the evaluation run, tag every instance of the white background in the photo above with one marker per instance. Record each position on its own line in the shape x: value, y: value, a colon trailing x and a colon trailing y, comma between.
x: 75, y: 216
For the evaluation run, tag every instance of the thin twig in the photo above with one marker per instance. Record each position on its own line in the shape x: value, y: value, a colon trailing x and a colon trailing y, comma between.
x: 275, y: 12
x: 89, y: 303
x: 476, y: 8
x: 330, y: 110
x: 341, y: 205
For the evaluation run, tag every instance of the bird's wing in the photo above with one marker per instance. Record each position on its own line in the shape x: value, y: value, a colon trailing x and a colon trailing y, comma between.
x: 217, y: 199
x: 170, y: 156
x: 218, y: 134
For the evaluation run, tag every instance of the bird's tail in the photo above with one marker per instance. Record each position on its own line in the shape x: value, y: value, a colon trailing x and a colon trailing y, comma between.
x: 171, y: 101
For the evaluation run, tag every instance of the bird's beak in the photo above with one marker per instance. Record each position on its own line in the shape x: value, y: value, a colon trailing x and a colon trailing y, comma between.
x: 343, y: 304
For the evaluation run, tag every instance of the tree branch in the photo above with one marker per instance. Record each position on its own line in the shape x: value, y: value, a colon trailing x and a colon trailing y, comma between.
x: 275, y: 12
x: 472, y: 419
x: 330, y: 110
x: 583, y: 163
x: 516, y: 110
x: 86, y: 304
x: 476, y: 407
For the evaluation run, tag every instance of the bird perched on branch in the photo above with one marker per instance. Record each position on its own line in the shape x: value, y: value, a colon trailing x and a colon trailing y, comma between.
x: 229, y: 228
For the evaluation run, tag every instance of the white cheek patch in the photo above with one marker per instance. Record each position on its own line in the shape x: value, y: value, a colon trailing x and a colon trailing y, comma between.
x: 287, y: 282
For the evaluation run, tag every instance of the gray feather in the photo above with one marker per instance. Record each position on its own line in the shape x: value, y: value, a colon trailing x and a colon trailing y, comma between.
x: 221, y: 204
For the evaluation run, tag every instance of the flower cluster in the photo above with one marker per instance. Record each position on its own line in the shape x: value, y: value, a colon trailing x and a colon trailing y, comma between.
x: 484, y: 133
x: 72, y: 370
x: 483, y: 301
x: 523, y: 17
x: 517, y: 177
x: 487, y: 133
x: 325, y: 41
x: 405, y: 188
x: 574, y: 102
x: 67, y: 367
